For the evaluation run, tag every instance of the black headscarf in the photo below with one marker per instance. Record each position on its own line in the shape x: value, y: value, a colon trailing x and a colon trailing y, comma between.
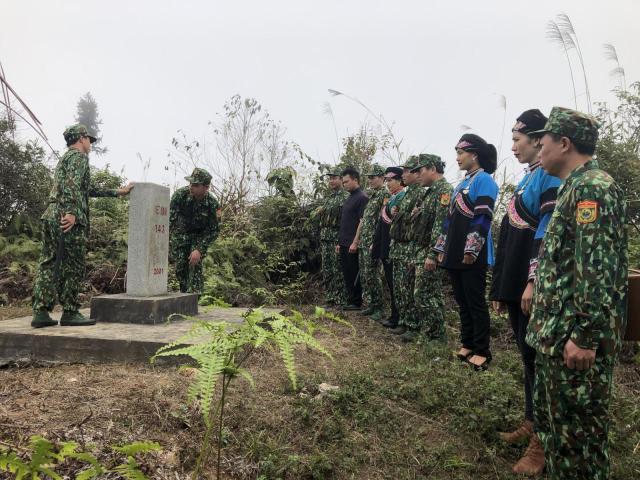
x: 487, y: 154
x: 530, y: 121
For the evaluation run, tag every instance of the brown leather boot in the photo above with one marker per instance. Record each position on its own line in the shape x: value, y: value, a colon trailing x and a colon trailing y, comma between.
x: 532, y: 462
x: 522, y: 433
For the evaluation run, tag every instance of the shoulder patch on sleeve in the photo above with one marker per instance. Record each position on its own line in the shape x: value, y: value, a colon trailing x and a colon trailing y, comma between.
x: 445, y: 199
x: 587, y: 211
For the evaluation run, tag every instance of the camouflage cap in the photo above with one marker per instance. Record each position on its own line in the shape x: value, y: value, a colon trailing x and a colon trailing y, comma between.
x: 75, y: 132
x: 411, y: 163
x: 579, y: 127
x: 428, y: 160
x: 375, y: 171
x: 199, y: 176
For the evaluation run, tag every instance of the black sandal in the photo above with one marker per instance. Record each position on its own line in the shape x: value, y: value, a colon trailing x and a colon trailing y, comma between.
x: 483, y: 367
x: 464, y: 358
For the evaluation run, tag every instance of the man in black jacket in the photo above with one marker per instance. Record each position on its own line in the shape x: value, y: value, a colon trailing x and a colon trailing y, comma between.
x: 352, y: 212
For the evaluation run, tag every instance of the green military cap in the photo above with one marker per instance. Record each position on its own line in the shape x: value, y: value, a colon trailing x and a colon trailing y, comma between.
x: 411, y: 163
x: 579, y: 127
x: 375, y: 171
x: 199, y: 176
x: 75, y: 132
x: 334, y: 170
x: 427, y: 160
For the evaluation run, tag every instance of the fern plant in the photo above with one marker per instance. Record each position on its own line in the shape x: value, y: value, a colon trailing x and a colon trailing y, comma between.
x: 46, y: 456
x: 220, y: 349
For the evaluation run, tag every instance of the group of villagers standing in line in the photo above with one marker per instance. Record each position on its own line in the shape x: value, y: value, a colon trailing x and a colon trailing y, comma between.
x: 559, y: 271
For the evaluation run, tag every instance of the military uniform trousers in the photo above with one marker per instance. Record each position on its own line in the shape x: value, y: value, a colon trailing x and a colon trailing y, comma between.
x: 572, y: 417
x: 371, y: 276
x: 60, y: 278
x: 189, y: 277
x: 332, y: 276
x: 429, y: 301
x: 404, y: 283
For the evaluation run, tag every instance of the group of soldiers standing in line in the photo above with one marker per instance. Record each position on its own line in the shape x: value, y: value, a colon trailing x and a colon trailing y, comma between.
x: 559, y: 271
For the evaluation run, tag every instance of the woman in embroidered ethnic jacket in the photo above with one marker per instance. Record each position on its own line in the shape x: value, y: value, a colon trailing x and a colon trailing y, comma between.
x: 521, y: 233
x: 465, y: 247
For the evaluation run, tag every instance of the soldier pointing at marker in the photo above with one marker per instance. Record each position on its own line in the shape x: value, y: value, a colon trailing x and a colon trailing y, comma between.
x: 65, y: 229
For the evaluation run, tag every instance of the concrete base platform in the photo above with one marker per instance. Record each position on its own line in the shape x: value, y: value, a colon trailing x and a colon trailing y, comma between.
x: 123, y: 308
x: 100, y: 343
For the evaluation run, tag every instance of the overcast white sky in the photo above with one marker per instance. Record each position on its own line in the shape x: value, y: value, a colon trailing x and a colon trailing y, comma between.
x: 430, y: 66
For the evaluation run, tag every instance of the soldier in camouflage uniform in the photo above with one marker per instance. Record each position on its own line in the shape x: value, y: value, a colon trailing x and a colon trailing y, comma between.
x: 329, y: 214
x: 403, y: 250
x: 578, y: 314
x: 429, y: 215
x: 65, y: 229
x: 370, y: 269
x: 193, y: 226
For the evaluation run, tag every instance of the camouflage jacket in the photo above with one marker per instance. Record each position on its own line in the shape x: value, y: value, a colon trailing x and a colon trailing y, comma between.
x: 72, y: 188
x: 329, y: 215
x: 400, y: 230
x: 371, y: 215
x: 581, y: 281
x: 193, y: 221
x: 428, y: 217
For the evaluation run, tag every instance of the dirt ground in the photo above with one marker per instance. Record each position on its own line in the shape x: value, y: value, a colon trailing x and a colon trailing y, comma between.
x: 397, y: 412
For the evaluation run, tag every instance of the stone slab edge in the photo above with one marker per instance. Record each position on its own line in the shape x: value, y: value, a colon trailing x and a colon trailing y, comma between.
x: 142, y: 310
x: 43, y: 348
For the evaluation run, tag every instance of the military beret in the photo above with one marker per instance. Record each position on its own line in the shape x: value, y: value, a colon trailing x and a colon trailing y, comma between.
x: 375, y: 171
x: 199, y: 176
x: 75, y: 132
x: 428, y: 160
x: 579, y: 127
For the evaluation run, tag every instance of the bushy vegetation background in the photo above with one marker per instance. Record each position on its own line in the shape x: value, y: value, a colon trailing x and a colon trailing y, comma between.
x: 267, y: 252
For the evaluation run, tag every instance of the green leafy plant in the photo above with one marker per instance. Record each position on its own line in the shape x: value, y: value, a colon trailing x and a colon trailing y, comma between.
x: 220, y: 351
x: 45, y: 456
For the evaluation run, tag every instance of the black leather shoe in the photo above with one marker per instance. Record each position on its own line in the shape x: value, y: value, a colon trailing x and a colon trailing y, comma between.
x: 399, y: 330
x: 390, y: 323
x: 352, y: 307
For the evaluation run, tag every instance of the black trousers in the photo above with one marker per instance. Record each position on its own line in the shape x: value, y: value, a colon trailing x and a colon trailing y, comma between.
x: 350, y: 269
x: 519, y: 322
x: 387, y: 265
x: 469, y: 291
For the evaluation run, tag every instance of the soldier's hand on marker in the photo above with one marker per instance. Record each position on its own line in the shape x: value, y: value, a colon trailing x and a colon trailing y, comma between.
x: 468, y: 259
x: 440, y: 257
x: 578, y: 358
x: 67, y: 222
x: 194, y: 258
x: 430, y: 264
x: 497, y: 306
x: 353, y: 248
x: 527, y: 297
x: 337, y: 248
x: 125, y: 190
